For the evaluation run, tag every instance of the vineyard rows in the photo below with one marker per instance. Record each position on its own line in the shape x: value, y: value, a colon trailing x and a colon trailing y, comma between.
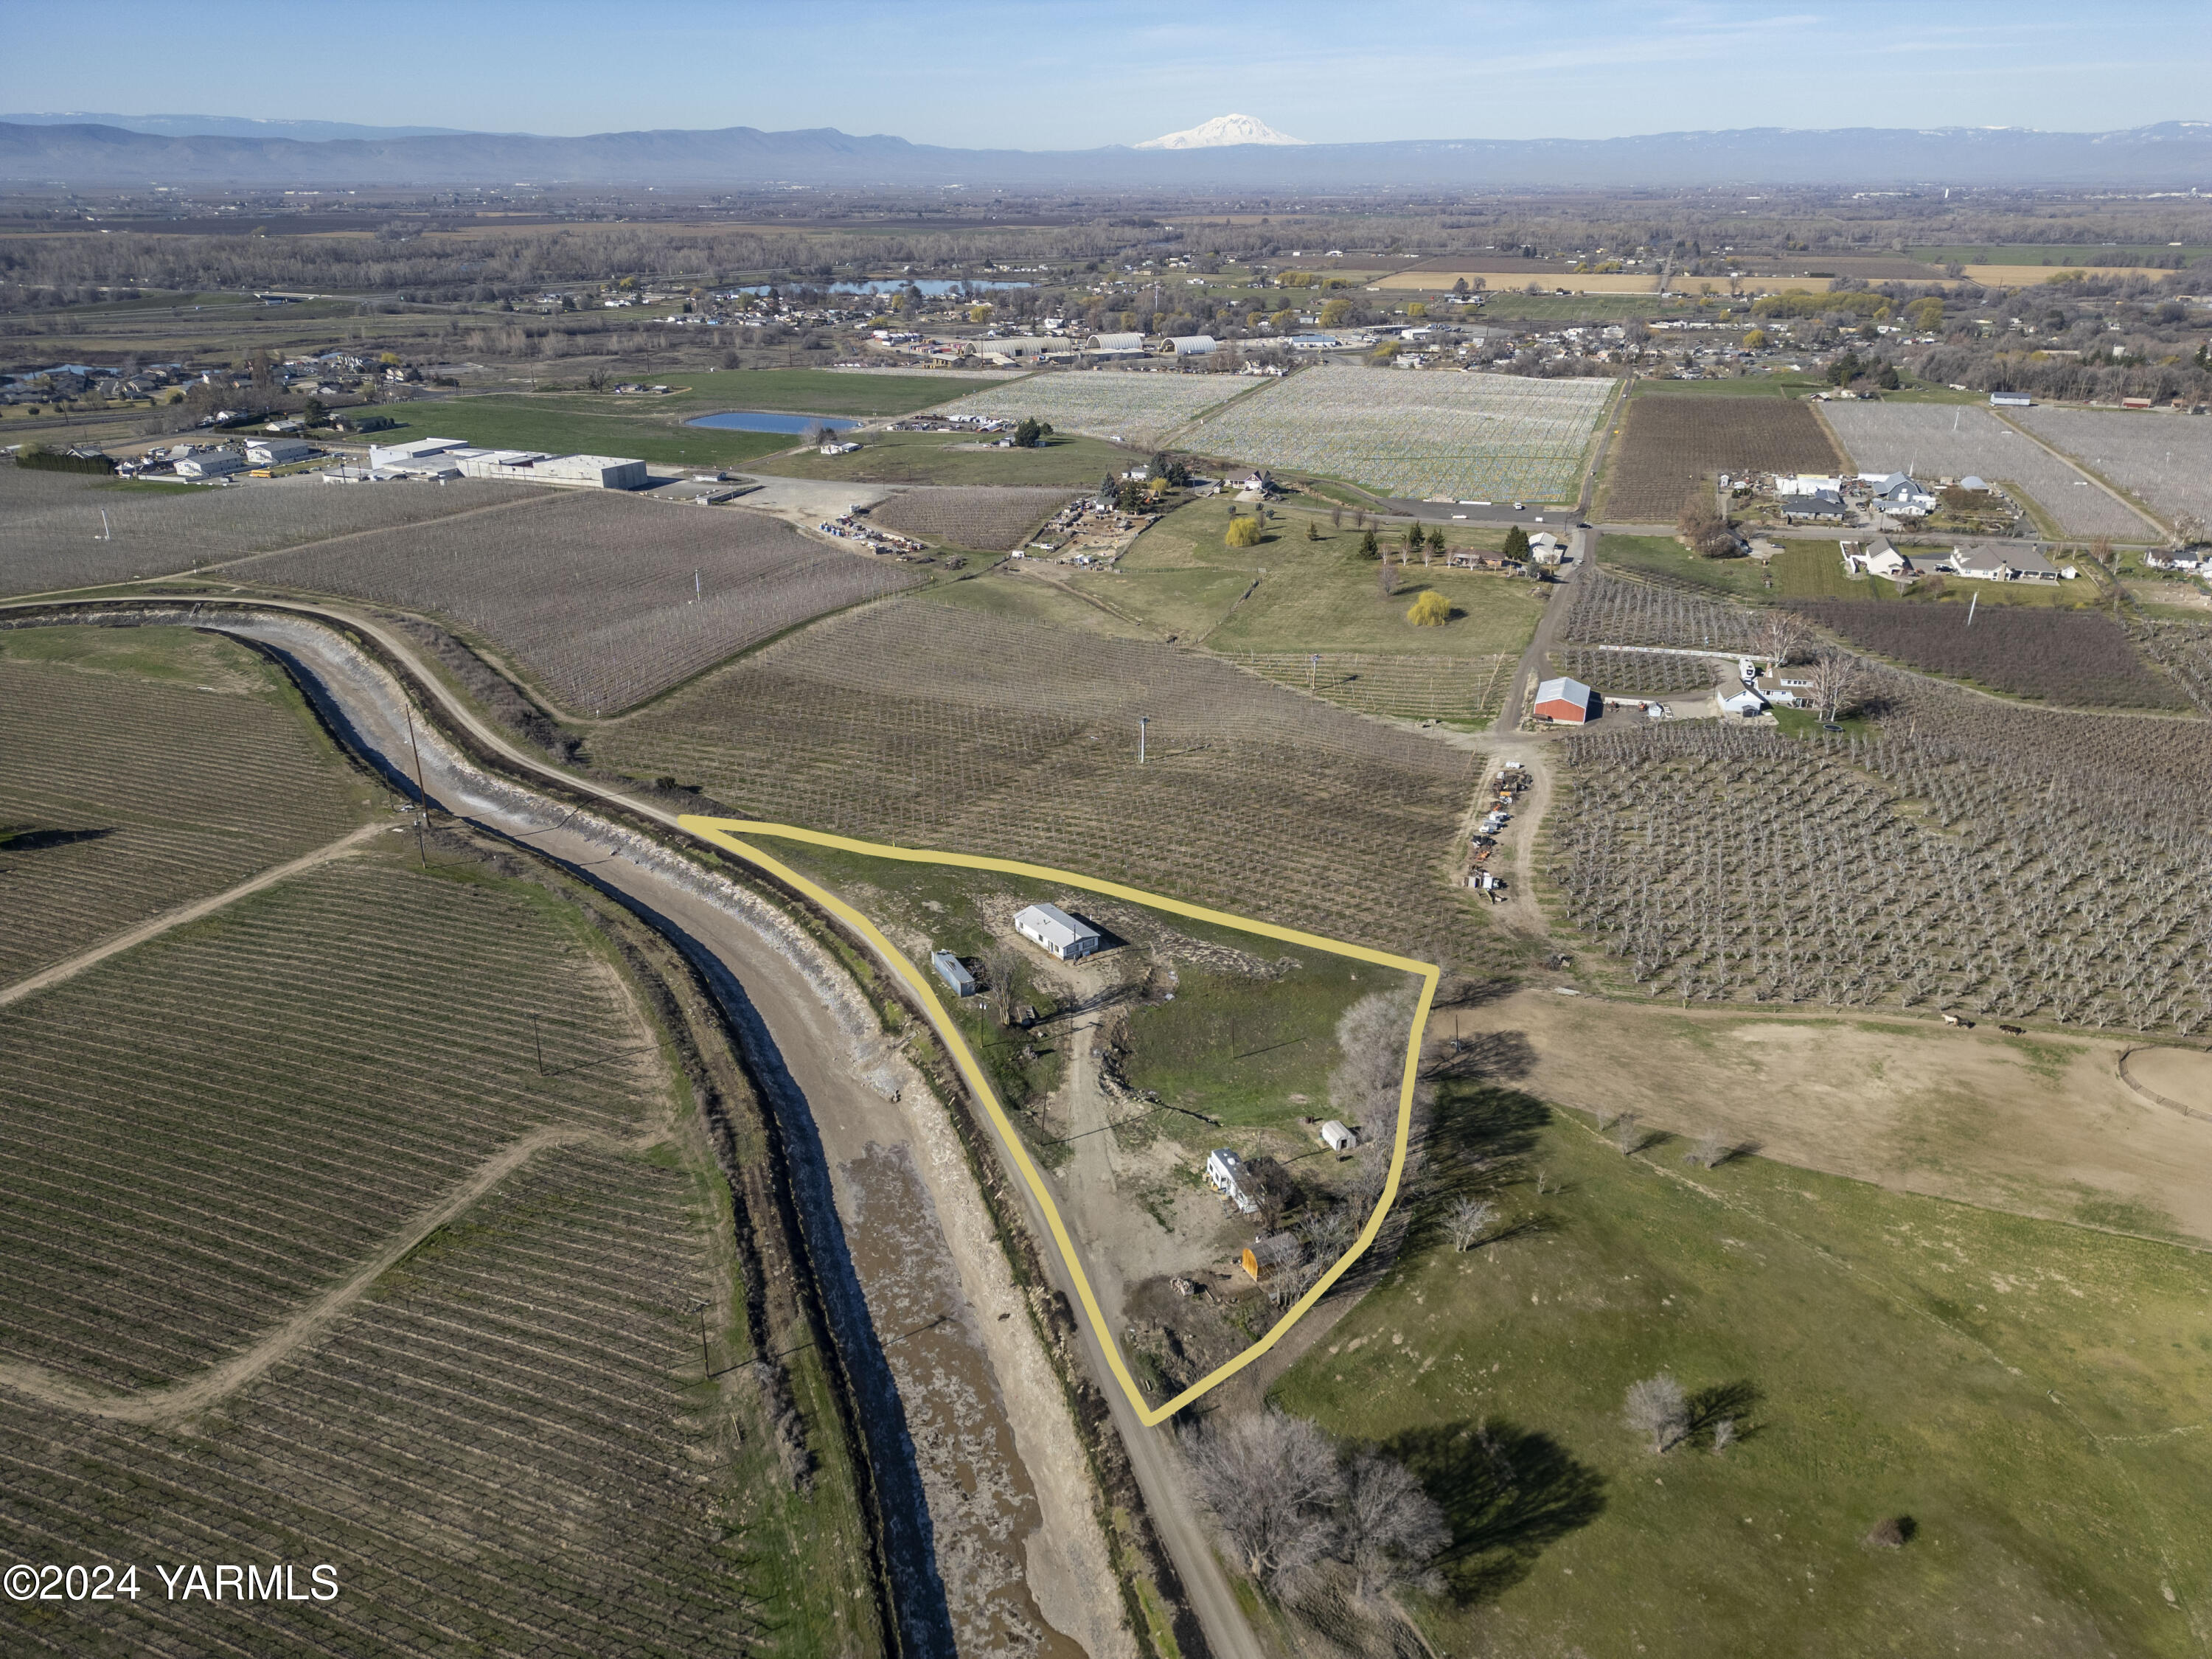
x: 2070, y: 657
x: 2001, y: 861
x: 1137, y: 409
x: 926, y: 726
x: 1408, y: 688
x: 987, y: 517
x: 55, y: 538
x: 1470, y: 437
x: 1669, y: 446
x: 493, y: 1450
x: 1638, y: 673
x: 206, y: 1130
x: 607, y: 600
x: 114, y: 830
x: 1612, y: 610
x: 1934, y: 441
x: 2165, y: 460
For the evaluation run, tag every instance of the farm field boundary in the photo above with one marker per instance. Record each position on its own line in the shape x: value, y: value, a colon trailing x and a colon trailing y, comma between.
x: 726, y: 833
x: 177, y: 918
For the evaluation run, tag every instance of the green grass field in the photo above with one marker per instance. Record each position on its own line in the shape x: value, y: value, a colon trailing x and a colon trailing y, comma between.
x: 1237, y: 1048
x: 2028, y: 1393
x: 805, y: 391
x: 954, y: 458
x: 1311, y: 594
x: 1814, y: 568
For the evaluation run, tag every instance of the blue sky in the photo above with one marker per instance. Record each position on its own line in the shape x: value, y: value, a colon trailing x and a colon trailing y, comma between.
x: 988, y: 73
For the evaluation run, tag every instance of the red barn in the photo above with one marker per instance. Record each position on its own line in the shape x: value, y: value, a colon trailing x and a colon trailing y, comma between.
x: 1569, y: 701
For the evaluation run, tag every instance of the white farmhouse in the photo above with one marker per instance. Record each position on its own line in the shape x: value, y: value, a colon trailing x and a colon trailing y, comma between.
x: 1051, y: 928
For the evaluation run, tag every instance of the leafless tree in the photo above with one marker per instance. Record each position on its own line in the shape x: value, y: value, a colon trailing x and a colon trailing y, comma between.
x: 1393, y: 1530
x: 1274, y: 1482
x: 1703, y: 525
x: 1468, y: 1221
x: 1627, y: 1133
x: 2188, y: 529
x: 1709, y: 1153
x: 1366, y: 1084
x: 1388, y: 576
x: 1839, y: 683
x: 1004, y: 968
x: 1656, y: 1406
x: 1723, y: 1434
x: 1782, y: 636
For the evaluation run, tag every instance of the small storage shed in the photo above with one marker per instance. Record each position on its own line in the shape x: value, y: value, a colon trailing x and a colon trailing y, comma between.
x: 1054, y: 930
x: 1338, y: 1137
x: 953, y: 972
x: 1266, y: 1257
x: 1569, y: 701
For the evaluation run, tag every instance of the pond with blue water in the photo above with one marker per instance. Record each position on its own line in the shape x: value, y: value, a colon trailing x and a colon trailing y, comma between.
x: 761, y: 420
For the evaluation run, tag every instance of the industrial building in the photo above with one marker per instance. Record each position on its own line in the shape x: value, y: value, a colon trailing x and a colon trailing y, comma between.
x: 209, y: 464
x: 1053, y: 929
x: 278, y: 452
x: 449, y: 458
x: 1568, y: 701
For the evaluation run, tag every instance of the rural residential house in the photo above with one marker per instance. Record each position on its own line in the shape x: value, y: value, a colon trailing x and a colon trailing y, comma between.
x: 1897, y: 495
x: 1225, y: 1171
x: 1053, y: 929
x: 1568, y: 701
x: 1987, y: 564
x: 1277, y: 1252
x: 1821, y: 506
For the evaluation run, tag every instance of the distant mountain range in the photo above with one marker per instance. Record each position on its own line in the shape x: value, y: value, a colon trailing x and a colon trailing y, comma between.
x: 2173, y: 155
x: 228, y: 127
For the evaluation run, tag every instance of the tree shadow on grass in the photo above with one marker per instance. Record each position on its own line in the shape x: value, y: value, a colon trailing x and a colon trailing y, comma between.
x: 1734, y: 1402
x: 1475, y: 1128
x: 1508, y: 1494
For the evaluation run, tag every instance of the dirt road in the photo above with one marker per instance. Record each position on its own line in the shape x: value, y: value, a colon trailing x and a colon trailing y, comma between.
x: 1023, y: 1566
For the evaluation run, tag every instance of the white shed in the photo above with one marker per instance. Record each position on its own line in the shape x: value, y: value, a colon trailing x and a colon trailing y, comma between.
x: 1053, y: 929
x: 1338, y: 1138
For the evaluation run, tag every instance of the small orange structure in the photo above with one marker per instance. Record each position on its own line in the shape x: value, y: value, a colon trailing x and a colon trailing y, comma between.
x: 1270, y: 1255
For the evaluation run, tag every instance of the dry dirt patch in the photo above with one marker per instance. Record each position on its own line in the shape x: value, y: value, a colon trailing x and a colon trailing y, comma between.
x: 2040, y: 1125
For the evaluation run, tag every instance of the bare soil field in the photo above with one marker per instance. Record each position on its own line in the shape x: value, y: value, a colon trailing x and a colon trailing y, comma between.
x: 932, y: 725
x: 977, y: 516
x: 55, y: 537
x: 100, y: 828
x: 1951, y: 440
x: 2041, y: 1125
x: 605, y: 600
x: 1669, y: 446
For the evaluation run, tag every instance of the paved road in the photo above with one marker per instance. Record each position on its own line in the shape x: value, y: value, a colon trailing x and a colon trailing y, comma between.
x: 799, y: 1032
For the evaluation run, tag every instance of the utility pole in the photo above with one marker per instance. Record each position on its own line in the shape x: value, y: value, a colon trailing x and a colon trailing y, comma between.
x: 1313, y: 671
x: 539, y: 1042
x: 706, y: 1365
x: 1143, y: 721
x: 1975, y: 600
x: 421, y: 795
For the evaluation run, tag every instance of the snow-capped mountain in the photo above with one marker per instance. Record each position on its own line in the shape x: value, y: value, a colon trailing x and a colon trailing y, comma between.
x: 1220, y: 130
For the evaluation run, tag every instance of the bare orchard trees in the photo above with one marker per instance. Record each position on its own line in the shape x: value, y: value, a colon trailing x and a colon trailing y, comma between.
x: 1658, y: 1408
x: 1289, y: 1506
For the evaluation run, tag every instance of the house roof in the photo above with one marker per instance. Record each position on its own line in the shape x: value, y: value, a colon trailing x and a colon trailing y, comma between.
x: 1053, y: 924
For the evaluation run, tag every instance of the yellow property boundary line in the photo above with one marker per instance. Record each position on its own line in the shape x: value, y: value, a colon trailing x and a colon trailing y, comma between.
x: 725, y: 833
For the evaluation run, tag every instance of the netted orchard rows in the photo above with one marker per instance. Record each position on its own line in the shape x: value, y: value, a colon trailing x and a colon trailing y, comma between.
x: 1613, y: 610
x: 1722, y: 863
